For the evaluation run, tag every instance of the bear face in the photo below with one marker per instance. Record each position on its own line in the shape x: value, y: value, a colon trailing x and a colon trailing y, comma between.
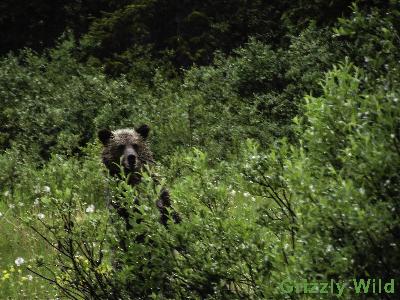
x: 126, y: 149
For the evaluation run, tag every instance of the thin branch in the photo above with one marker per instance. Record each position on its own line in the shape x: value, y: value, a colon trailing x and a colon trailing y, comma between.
x: 70, y: 293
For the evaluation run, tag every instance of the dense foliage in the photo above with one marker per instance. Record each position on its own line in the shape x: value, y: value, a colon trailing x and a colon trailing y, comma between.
x: 280, y: 148
x: 182, y: 32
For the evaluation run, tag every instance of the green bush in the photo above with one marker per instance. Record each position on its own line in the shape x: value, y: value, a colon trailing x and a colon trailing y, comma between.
x: 347, y: 169
x: 218, y: 250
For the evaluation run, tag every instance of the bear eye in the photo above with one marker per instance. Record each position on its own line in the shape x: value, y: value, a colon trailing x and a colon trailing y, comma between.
x: 121, y: 148
x: 135, y: 146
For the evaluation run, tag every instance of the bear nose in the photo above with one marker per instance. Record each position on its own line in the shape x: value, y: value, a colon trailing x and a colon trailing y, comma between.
x: 131, y: 160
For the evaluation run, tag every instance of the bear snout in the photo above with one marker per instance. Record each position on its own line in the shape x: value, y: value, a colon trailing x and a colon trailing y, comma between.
x: 131, y: 161
x: 130, y: 158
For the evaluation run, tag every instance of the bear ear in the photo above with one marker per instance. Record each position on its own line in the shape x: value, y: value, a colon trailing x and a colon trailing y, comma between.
x: 104, y: 136
x: 143, y: 130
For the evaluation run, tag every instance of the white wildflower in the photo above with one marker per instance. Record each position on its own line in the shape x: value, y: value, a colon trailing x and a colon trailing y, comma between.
x: 19, y: 261
x: 90, y: 208
x: 46, y: 189
x: 246, y: 194
x: 11, y: 206
x: 6, y: 193
x: 1, y: 214
x: 233, y: 192
x: 20, y: 204
x: 40, y: 216
x: 30, y: 277
x: 36, y: 202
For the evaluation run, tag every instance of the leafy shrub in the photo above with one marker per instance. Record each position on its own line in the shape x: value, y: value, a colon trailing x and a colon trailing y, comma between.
x: 348, y: 170
x: 218, y: 250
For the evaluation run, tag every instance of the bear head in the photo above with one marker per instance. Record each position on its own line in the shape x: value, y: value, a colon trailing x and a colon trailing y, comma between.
x: 126, y: 149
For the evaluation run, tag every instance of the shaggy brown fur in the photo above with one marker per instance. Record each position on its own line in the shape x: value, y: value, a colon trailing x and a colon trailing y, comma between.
x: 128, y: 148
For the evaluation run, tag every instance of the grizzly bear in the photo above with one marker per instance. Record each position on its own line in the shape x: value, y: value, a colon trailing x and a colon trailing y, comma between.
x: 127, y: 150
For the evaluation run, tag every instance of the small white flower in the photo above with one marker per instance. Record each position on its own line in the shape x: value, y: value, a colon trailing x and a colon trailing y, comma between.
x: 246, y: 194
x: 20, y: 204
x: 233, y: 192
x: 6, y: 193
x: 40, y: 216
x: 30, y: 277
x: 19, y: 261
x: 1, y: 214
x: 11, y: 206
x: 329, y: 248
x: 90, y: 208
x: 46, y: 189
x: 37, y: 201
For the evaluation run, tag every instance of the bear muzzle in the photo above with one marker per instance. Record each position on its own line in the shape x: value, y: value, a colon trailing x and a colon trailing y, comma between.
x: 130, y: 159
